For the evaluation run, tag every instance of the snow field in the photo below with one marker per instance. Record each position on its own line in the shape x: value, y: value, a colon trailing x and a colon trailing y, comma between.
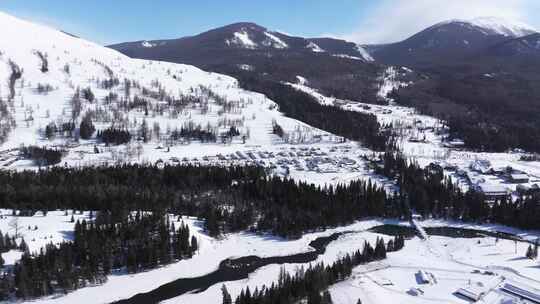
x: 54, y: 228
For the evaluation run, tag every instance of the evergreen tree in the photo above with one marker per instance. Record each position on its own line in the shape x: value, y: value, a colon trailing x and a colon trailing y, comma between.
x: 194, y: 244
x: 144, y: 131
x: 314, y: 297
x: 87, y: 128
x: 530, y: 253
x: 327, y: 298
x: 227, y: 299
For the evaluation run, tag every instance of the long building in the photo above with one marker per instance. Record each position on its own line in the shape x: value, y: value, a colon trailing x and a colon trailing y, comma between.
x: 522, y: 291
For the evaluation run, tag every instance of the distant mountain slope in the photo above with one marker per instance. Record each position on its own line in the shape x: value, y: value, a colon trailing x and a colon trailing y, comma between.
x: 450, y: 41
x: 481, y: 76
x: 527, y: 46
x: 336, y: 67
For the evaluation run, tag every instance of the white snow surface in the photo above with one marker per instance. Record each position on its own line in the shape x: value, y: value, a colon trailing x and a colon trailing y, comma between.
x: 364, y: 53
x: 52, y: 228
x: 347, y: 56
x: 275, y: 41
x: 389, y: 82
x: 147, y: 44
x: 314, y: 47
x: 242, y: 39
x: 302, y: 86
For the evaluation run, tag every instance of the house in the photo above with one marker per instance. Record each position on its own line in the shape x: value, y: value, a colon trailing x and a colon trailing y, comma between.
x: 481, y: 166
x: 492, y: 192
x: 519, y: 178
x: 470, y: 293
x: 473, y: 291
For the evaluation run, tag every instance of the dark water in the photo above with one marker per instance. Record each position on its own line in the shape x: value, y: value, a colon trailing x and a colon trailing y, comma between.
x: 395, y: 230
x: 409, y: 232
x: 229, y: 270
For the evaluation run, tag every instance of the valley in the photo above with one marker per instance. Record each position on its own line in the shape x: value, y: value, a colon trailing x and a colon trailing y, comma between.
x: 183, y: 170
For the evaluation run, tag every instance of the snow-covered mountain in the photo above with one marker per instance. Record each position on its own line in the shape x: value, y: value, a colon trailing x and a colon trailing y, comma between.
x: 51, y: 80
x: 244, y: 36
x: 331, y: 65
x: 451, y: 40
x: 494, y: 26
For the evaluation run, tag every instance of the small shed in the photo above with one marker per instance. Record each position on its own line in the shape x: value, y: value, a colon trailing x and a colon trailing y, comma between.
x: 424, y: 277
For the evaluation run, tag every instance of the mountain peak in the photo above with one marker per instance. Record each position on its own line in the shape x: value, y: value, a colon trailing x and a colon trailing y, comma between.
x: 252, y: 26
x: 494, y: 26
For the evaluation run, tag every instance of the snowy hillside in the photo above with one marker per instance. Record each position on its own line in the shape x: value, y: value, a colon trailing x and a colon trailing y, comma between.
x: 59, y: 79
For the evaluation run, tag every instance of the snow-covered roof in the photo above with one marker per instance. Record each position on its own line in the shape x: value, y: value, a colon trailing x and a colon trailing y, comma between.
x: 523, y: 291
x: 470, y: 292
x: 481, y: 165
x: 492, y: 188
x: 519, y: 176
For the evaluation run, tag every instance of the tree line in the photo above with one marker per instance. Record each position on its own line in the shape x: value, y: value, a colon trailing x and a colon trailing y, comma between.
x: 228, y: 199
x: 42, y: 156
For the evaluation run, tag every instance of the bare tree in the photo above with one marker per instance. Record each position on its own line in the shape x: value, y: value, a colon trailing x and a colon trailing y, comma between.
x: 15, y: 225
x: 16, y: 74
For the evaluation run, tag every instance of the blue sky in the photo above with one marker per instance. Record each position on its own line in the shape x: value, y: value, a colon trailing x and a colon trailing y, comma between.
x: 110, y: 21
x: 120, y: 20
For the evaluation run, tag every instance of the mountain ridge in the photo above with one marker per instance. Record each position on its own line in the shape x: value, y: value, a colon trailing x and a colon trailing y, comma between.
x: 334, y: 66
x: 447, y: 41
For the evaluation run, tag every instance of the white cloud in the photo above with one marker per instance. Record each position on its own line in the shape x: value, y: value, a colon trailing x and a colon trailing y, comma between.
x: 395, y: 20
